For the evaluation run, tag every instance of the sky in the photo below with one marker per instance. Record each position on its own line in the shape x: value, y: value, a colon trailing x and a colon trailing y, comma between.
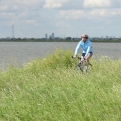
x: 64, y: 18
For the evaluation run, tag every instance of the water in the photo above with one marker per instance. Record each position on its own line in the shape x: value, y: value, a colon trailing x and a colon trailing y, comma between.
x: 19, y: 53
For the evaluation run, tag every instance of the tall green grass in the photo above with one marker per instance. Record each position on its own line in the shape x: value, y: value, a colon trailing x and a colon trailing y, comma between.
x: 49, y: 89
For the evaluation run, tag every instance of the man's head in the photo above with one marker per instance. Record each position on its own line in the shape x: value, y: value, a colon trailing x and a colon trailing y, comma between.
x: 84, y: 37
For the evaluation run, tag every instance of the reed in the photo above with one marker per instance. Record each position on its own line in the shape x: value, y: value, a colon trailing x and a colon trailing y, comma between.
x: 49, y: 89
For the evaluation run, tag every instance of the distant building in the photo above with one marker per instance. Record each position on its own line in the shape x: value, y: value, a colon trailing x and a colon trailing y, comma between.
x: 52, y: 36
x: 46, y: 37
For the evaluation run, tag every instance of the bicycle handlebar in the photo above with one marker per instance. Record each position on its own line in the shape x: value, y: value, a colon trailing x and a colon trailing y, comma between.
x: 78, y: 57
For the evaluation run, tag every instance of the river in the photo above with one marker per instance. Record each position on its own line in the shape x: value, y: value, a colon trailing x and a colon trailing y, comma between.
x: 18, y: 53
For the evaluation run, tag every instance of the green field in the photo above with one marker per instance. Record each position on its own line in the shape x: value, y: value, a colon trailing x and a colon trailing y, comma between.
x: 49, y: 89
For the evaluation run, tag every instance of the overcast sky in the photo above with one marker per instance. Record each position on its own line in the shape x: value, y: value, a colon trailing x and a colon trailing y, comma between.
x: 34, y: 18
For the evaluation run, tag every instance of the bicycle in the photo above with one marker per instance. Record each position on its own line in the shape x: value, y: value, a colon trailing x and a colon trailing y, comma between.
x: 82, y: 64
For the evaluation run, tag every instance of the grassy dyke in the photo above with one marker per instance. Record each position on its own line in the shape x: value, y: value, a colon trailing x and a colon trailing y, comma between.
x: 49, y: 89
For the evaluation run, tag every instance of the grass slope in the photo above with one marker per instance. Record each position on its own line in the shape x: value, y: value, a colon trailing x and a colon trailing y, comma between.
x: 50, y: 89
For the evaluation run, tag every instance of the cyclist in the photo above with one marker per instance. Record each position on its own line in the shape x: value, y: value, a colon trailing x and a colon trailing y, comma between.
x: 86, y: 46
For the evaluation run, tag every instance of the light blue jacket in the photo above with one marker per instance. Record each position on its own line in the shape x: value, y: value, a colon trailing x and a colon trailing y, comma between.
x: 86, y: 47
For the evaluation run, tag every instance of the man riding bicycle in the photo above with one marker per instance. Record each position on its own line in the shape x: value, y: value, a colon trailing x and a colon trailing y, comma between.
x: 86, y: 46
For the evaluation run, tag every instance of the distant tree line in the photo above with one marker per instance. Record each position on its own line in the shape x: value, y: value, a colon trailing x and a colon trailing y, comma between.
x: 67, y: 39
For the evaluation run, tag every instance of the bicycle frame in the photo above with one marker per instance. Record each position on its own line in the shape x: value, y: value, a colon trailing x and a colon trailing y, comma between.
x: 82, y: 64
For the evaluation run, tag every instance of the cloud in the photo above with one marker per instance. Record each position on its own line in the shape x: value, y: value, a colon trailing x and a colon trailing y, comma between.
x: 30, y: 14
x: 97, y: 3
x: 73, y: 4
x: 81, y: 4
x: 4, y: 8
x: 63, y: 4
x: 19, y: 10
x: 105, y: 13
x: 30, y: 3
x: 99, y: 8
x: 72, y: 14
x: 89, y: 14
x: 54, y: 3
x: 9, y: 5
